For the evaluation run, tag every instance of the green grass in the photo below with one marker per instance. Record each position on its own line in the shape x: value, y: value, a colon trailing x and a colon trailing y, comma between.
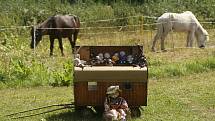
x: 181, y: 84
x: 182, y: 98
x: 180, y: 87
x: 22, y: 67
x: 183, y: 68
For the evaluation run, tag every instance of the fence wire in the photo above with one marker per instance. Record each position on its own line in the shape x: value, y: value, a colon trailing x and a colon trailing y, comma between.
x: 18, y: 59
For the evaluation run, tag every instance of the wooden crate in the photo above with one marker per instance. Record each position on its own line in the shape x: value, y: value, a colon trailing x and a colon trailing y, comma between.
x: 135, y: 93
x: 91, y: 83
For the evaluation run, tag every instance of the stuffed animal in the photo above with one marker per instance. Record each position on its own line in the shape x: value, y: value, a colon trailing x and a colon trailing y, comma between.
x: 115, y: 107
x: 100, y: 58
x: 107, y: 59
x: 140, y: 61
x: 78, y: 62
x: 130, y: 59
x: 122, y: 57
x: 115, y: 58
x: 107, y: 55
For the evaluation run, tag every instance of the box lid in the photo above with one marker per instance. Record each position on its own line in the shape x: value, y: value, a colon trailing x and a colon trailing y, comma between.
x: 110, y: 73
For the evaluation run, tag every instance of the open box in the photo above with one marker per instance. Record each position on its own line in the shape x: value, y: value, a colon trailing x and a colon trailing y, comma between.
x: 92, y: 81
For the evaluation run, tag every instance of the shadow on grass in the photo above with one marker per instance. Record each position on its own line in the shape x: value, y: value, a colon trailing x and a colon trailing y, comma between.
x: 73, y: 116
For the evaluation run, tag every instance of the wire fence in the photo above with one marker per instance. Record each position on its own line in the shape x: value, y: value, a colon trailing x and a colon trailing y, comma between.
x: 116, y: 34
x: 138, y: 32
x: 18, y: 58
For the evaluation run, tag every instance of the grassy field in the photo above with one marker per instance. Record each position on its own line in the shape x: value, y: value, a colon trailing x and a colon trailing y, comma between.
x: 181, y: 83
x: 23, y: 67
x: 181, y: 80
x: 183, y: 98
x: 180, y: 88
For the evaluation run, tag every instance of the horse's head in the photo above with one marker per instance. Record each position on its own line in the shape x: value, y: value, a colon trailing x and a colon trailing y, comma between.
x: 202, y: 37
x: 36, y: 35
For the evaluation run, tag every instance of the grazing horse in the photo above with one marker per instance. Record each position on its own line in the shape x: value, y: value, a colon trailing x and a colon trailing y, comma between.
x: 180, y: 22
x: 57, y: 27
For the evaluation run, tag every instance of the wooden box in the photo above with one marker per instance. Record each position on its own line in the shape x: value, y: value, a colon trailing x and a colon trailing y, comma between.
x: 91, y: 82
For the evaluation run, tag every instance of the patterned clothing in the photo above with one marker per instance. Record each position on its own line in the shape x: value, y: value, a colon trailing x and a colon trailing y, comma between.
x: 115, y: 108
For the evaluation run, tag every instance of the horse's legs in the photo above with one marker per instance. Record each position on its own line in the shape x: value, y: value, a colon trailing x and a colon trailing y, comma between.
x: 190, y: 37
x: 162, y: 40
x: 61, y: 46
x: 167, y: 27
x: 51, y: 45
x: 73, y: 41
x: 157, y: 36
x: 75, y: 36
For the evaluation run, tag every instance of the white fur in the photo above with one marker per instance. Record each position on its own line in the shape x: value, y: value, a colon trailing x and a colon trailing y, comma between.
x: 180, y: 22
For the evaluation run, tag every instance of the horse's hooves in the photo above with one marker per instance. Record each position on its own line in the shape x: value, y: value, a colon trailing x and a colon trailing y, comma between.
x: 202, y: 47
x: 164, y: 50
x: 153, y: 50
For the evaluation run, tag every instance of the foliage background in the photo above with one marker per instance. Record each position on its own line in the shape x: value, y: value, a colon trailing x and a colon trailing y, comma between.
x: 181, y: 80
x: 23, y: 12
x: 19, y: 66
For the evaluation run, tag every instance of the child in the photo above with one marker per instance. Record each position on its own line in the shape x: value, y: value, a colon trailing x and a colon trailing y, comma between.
x: 115, y: 106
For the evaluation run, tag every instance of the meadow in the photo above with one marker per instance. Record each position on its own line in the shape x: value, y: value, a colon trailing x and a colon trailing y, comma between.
x: 181, y: 80
x: 173, y: 96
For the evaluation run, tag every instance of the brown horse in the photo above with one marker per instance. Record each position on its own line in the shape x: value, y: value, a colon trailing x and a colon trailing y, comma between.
x: 57, y: 27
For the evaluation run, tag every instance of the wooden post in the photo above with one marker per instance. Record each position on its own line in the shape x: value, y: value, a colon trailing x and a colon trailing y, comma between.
x: 34, y: 35
x: 141, y: 27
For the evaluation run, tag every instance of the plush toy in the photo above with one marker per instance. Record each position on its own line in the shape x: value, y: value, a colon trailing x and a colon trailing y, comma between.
x: 140, y: 61
x: 107, y: 59
x: 115, y: 58
x: 130, y: 59
x: 122, y: 57
x: 136, y: 59
x: 115, y: 106
x: 107, y: 55
x: 78, y: 62
x: 101, y: 55
x: 100, y: 58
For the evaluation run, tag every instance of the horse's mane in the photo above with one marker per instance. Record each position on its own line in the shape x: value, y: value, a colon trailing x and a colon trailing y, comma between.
x: 46, y: 23
x: 199, y: 26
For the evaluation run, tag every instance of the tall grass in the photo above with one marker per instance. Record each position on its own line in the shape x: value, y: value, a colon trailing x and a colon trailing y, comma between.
x: 24, y: 12
x: 20, y: 66
x: 31, y: 72
x: 182, y: 68
x: 58, y: 72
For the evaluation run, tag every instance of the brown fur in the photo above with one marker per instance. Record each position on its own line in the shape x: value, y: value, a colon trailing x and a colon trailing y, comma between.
x: 57, y: 27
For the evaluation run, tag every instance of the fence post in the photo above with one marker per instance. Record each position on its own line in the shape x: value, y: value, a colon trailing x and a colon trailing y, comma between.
x: 141, y: 27
x: 142, y: 22
x: 34, y: 35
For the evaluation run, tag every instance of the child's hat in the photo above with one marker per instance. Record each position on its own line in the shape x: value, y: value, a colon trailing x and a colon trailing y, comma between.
x: 113, y: 90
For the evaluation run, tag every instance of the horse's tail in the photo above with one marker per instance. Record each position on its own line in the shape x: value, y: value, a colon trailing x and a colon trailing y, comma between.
x: 160, y: 28
x: 51, y: 24
x: 77, y: 21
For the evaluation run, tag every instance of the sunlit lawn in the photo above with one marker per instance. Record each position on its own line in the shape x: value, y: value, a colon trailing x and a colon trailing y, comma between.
x: 189, y: 97
x: 178, y: 98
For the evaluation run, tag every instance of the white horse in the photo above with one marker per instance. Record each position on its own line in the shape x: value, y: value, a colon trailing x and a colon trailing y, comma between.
x: 180, y: 22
